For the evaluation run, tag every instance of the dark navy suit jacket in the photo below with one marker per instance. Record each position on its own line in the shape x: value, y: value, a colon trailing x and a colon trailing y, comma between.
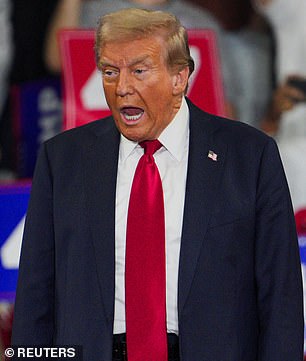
x: 240, y: 289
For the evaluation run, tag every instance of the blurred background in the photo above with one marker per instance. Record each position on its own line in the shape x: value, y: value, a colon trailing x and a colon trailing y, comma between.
x: 260, y: 51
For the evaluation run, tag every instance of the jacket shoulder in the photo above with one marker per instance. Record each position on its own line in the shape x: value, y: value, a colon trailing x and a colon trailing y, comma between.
x: 232, y: 131
x: 87, y: 131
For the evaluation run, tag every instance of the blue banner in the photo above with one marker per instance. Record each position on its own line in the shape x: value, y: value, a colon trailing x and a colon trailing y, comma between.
x: 37, y: 112
x: 13, y: 205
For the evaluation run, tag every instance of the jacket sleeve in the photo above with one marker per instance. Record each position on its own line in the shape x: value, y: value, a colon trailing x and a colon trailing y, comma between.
x: 277, y: 262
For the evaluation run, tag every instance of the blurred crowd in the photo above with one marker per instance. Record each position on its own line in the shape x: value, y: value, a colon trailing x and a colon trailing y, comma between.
x: 261, y: 45
x: 244, y: 39
x: 32, y: 52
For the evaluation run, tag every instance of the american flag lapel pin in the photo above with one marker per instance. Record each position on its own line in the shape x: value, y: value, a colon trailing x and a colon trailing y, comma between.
x: 212, y: 155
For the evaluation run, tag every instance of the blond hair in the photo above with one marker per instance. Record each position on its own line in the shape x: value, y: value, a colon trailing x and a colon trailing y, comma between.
x: 131, y: 24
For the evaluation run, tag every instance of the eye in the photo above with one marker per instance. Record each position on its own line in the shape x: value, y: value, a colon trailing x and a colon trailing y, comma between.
x: 109, y: 73
x: 138, y: 71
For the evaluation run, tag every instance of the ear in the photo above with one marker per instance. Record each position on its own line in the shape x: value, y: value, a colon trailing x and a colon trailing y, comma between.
x: 180, y: 81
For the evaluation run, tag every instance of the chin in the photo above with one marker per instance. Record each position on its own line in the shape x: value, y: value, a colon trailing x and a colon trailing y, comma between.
x: 132, y: 134
x: 133, y: 137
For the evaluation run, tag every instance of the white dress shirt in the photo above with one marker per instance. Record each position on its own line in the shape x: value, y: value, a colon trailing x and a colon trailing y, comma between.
x: 171, y: 160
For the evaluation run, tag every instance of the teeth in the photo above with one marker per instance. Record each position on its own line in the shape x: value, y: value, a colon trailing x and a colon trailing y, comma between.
x: 133, y: 117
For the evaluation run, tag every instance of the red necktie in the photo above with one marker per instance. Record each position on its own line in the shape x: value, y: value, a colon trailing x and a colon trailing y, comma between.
x: 145, y: 269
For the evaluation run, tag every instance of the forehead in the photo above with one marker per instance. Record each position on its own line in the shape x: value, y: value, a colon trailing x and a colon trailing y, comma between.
x: 124, y: 52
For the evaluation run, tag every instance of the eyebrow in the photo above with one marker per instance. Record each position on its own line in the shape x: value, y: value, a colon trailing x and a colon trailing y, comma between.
x: 132, y: 63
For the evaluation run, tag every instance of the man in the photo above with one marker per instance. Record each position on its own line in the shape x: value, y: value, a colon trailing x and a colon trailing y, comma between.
x: 233, y: 284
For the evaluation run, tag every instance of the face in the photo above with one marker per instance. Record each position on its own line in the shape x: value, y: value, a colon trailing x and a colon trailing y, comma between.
x: 141, y: 91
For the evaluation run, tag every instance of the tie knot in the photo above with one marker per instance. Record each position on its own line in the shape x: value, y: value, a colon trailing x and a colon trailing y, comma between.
x: 150, y: 146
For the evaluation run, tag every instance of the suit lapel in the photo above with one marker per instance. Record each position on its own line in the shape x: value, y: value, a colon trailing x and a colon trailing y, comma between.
x: 100, y: 183
x: 203, y: 177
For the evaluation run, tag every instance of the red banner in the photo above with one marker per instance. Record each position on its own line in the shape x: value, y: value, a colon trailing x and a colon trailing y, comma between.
x: 84, y: 98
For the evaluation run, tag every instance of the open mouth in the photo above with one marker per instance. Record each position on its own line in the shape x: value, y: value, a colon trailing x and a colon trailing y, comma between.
x: 131, y: 114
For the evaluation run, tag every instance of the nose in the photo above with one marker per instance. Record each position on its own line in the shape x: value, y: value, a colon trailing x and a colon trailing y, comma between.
x: 124, y: 84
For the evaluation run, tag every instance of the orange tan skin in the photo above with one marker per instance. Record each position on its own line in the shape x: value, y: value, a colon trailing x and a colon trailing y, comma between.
x: 141, y: 91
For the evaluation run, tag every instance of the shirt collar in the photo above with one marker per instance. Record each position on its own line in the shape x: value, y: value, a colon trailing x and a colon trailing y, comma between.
x: 173, y: 137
